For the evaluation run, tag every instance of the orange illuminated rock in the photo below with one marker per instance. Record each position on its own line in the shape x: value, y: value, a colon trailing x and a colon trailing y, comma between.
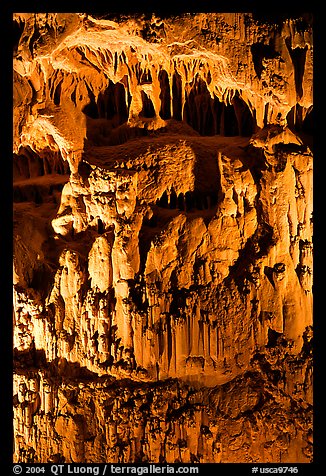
x: 162, y: 238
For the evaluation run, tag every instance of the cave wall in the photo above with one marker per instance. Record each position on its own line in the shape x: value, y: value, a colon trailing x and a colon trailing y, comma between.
x: 162, y: 239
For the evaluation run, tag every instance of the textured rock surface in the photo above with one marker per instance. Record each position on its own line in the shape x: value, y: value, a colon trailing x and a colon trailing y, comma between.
x: 162, y: 239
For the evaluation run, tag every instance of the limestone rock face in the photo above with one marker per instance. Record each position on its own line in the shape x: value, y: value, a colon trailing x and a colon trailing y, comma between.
x: 162, y: 238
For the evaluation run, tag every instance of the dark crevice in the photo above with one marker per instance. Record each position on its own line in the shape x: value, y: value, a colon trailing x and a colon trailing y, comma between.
x: 268, y: 271
x: 110, y: 105
x: 308, y: 122
x: 189, y: 202
x: 298, y: 57
x: 246, y: 123
x: 229, y: 123
x: 37, y: 193
x: 256, y: 247
x: 28, y: 164
x: 206, y: 115
x: 84, y: 169
x: 198, y: 109
x: 300, y: 120
x: 210, y: 116
x: 17, y: 31
x: 180, y: 202
x: 163, y: 201
x: 91, y: 109
x: 165, y: 95
x: 100, y: 226
x: 73, y: 97
x: 151, y: 222
x: 266, y: 115
x: 57, y: 93
x: 260, y: 51
x: 148, y: 110
x: 173, y: 200
x: 107, y: 117
x: 273, y: 338
x: 146, y: 78
x: 177, y: 96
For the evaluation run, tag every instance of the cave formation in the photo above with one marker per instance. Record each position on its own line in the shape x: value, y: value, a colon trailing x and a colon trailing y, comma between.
x: 162, y: 238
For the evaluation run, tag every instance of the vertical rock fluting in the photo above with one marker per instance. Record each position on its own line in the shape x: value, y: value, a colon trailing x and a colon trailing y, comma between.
x: 162, y: 239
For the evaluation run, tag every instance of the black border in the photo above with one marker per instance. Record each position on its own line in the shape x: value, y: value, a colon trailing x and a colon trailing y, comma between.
x: 275, y: 10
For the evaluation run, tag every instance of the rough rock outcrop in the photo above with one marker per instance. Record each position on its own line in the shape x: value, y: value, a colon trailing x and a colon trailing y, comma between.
x: 162, y: 238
